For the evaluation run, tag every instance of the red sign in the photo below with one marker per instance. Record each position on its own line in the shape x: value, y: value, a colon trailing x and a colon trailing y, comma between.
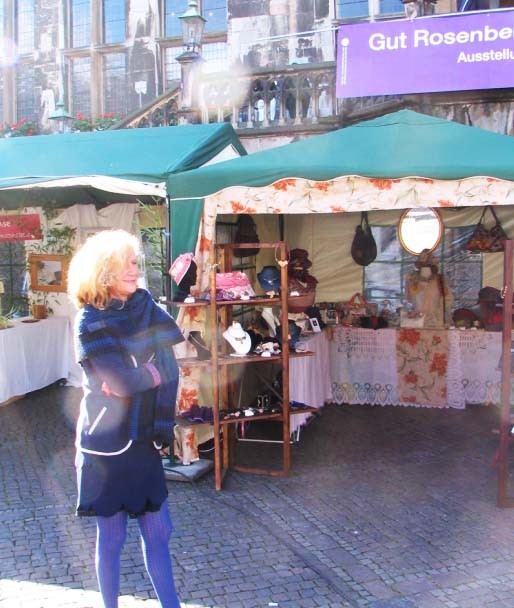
x: 20, y: 227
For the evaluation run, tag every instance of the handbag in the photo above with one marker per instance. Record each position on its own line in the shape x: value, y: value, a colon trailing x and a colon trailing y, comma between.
x: 487, y: 240
x: 364, y: 247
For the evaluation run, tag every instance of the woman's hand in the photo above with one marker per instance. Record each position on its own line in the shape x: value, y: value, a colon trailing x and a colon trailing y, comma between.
x: 107, y: 390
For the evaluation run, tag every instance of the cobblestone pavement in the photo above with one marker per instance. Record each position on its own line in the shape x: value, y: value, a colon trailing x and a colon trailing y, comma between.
x: 385, y: 508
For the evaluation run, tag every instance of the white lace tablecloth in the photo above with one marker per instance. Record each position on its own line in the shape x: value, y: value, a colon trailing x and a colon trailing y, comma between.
x: 309, y: 377
x: 33, y: 355
x: 363, y: 367
x: 480, y: 353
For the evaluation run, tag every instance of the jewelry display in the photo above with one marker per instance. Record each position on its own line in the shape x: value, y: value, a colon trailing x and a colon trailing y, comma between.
x: 195, y: 338
x: 239, y: 340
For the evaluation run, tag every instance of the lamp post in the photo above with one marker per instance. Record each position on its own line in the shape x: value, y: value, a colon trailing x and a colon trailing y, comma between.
x: 62, y: 116
x: 192, y: 31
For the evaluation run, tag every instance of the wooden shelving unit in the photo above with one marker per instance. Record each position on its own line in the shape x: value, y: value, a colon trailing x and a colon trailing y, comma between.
x: 222, y: 367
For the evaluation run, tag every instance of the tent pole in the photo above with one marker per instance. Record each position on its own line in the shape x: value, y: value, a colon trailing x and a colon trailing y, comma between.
x: 503, y: 499
x: 281, y: 226
x: 167, y: 236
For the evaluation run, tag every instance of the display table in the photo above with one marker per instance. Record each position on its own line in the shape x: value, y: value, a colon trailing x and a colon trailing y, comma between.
x: 309, y: 377
x: 423, y: 368
x: 33, y: 355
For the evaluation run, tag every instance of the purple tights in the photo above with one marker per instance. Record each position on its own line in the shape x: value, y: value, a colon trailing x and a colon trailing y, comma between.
x: 155, y: 529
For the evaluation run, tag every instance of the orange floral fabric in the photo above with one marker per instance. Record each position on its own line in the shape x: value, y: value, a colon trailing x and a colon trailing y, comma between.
x: 422, y: 364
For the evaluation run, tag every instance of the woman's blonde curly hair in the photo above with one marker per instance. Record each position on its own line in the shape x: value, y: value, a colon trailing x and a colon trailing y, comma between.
x: 97, y: 265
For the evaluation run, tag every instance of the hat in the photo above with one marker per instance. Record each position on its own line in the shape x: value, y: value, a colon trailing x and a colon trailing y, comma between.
x: 269, y: 278
x: 294, y: 333
x: 489, y: 294
x: 180, y: 266
x: 300, y: 254
x: 426, y: 258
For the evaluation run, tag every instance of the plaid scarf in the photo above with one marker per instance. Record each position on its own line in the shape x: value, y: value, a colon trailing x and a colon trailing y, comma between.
x: 138, y: 329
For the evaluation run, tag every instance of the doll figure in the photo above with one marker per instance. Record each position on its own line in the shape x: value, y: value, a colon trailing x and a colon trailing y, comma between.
x: 428, y: 292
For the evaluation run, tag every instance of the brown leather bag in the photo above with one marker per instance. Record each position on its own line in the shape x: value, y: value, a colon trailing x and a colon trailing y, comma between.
x: 487, y: 240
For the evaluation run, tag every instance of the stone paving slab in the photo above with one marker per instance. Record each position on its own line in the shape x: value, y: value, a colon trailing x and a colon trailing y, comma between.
x: 384, y: 508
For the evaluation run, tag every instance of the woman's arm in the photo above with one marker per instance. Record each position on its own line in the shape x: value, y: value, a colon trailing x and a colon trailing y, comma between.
x: 122, y: 380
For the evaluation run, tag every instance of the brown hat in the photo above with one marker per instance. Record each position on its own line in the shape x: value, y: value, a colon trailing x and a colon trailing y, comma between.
x: 490, y: 294
x: 426, y: 258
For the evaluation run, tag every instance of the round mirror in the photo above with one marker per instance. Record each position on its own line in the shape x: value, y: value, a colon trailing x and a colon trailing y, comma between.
x: 419, y: 229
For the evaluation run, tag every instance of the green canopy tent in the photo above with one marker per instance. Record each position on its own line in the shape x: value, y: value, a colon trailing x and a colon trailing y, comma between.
x: 102, y: 167
x: 394, y: 146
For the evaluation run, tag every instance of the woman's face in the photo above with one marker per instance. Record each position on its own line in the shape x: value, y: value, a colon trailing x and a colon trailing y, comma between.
x: 126, y: 283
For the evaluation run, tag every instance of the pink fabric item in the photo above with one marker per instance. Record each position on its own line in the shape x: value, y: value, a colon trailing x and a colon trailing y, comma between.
x: 155, y: 373
x: 228, y: 280
x: 233, y: 285
x: 180, y: 266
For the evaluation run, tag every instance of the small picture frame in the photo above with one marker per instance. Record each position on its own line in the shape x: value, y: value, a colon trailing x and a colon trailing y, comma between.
x: 314, y: 325
x: 48, y: 272
x: 331, y: 316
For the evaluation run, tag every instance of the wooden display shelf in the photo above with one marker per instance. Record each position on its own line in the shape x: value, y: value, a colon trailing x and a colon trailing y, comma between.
x: 271, y: 416
x: 224, y: 366
x: 254, y: 358
x: 180, y: 303
x: 228, y: 360
x: 250, y: 302
x: 193, y: 362
x: 181, y: 421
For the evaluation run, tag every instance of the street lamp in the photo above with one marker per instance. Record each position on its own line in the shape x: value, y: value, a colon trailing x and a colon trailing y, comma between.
x: 192, y: 31
x: 192, y: 26
x: 62, y: 116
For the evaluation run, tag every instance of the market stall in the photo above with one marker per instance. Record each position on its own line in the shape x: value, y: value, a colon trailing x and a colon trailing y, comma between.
x: 94, y: 181
x: 103, y: 167
x: 319, y: 187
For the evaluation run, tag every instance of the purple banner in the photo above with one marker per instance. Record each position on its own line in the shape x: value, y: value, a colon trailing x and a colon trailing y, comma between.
x: 449, y: 53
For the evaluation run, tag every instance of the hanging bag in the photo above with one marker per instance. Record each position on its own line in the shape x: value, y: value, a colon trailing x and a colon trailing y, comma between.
x: 246, y: 232
x: 364, y: 247
x: 487, y: 240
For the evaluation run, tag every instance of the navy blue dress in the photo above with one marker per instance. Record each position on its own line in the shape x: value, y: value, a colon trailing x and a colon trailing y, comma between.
x: 118, y: 465
x: 132, y: 481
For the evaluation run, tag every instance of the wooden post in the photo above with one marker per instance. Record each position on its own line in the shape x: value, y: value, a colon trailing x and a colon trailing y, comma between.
x: 506, y: 376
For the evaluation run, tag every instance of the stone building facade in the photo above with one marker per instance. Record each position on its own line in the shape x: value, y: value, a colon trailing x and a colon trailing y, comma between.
x: 268, y: 65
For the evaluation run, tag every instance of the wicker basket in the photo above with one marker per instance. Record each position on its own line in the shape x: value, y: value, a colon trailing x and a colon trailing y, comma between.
x: 301, y: 303
x: 414, y: 320
x: 39, y: 311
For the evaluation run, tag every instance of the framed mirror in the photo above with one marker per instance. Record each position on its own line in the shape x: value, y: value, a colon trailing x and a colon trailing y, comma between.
x: 420, y: 228
x: 48, y: 272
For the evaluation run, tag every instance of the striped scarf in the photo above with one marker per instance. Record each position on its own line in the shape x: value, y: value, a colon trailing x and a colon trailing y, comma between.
x: 137, y: 329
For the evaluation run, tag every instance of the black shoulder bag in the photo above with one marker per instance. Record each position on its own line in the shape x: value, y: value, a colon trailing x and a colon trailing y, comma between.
x: 364, y: 247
